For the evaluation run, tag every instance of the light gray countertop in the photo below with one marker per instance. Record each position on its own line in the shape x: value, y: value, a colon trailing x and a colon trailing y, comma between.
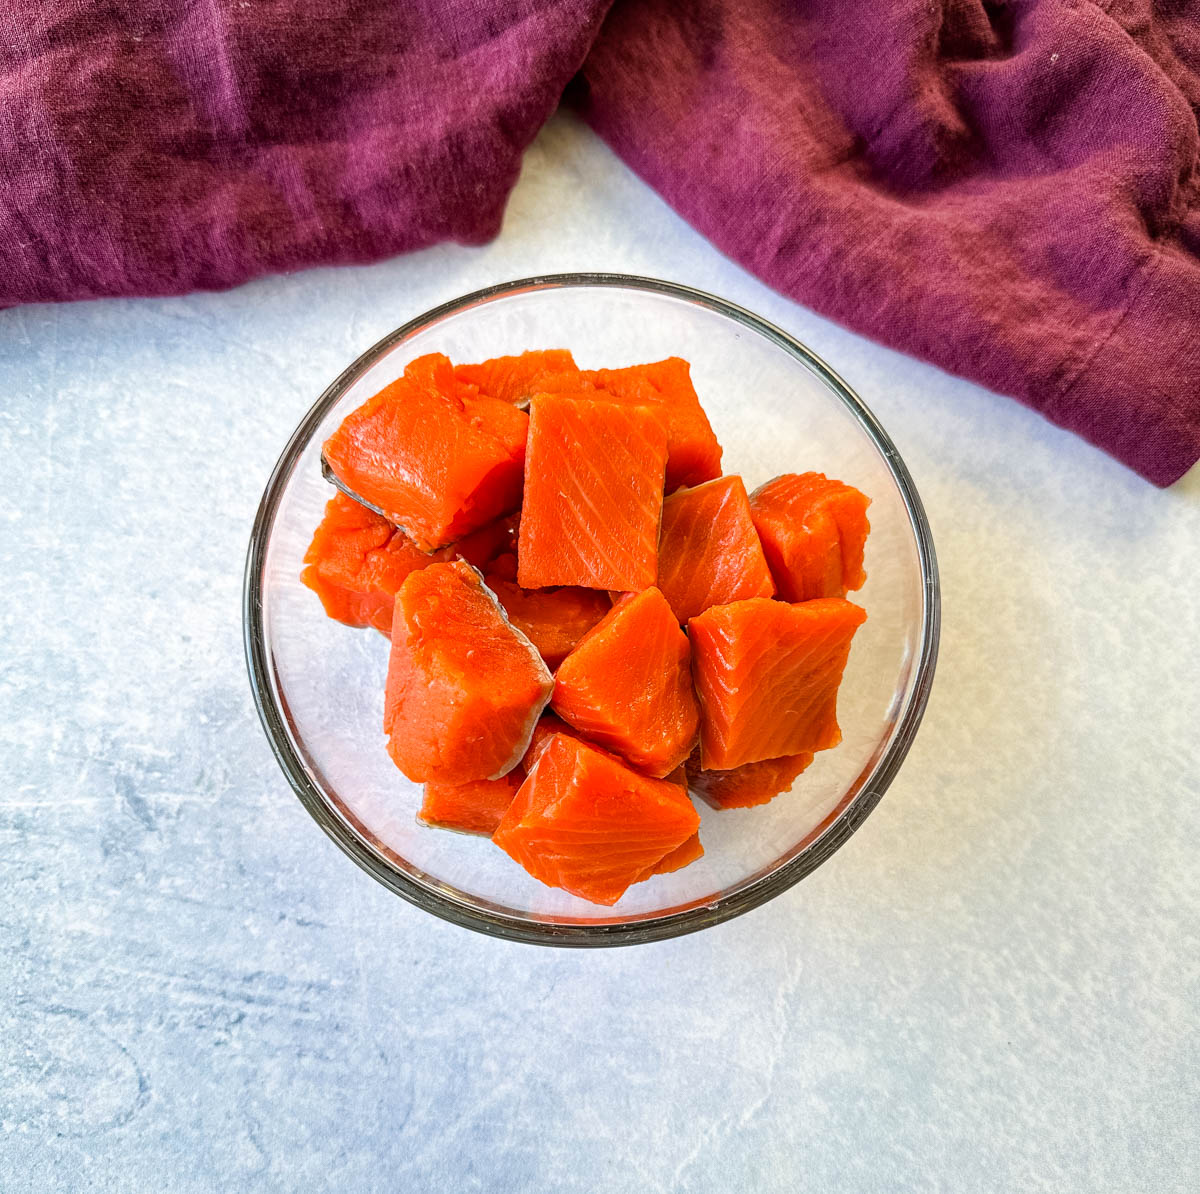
x: 995, y: 986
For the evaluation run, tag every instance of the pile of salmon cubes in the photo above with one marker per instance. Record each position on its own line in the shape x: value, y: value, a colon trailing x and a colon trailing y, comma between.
x: 589, y: 622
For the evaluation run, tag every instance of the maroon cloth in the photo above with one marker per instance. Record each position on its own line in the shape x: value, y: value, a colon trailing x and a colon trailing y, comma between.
x: 1009, y: 190
x: 162, y: 146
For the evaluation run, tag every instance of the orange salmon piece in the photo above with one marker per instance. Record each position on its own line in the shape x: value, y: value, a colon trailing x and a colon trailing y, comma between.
x: 465, y: 688
x: 515, y: 379
x: 677, y: 859
x: 357, y: 561
x: 476, y: 807
x: 694, y: 455
x: 438, y: 459
x: 709, y: 553
x: 627, y: 686
x: 586, y: 823
x: 747, y: 785
x: 554, y: 620
x: 813, y: 531
x: 690, y: 851
x: 767, y: 675
x: 593, y: 494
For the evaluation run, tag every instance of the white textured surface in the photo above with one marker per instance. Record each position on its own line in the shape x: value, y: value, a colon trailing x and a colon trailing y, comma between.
x: 995, y: 986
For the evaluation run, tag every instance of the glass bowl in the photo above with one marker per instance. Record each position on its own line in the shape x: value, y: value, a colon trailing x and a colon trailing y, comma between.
x: 776, y: 408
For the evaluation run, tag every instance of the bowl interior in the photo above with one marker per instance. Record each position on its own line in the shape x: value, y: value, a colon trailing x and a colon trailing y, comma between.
x: 774, y: 412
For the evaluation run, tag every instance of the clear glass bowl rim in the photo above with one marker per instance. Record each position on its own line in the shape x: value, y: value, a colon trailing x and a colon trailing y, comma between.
x: 671, y: 924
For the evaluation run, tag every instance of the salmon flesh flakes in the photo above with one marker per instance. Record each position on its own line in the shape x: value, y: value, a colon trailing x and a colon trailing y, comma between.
x: 709, y: 553
x: 593, y: 494
x: 465, y: 688
x: 767, y: 675
x: 588, y: 824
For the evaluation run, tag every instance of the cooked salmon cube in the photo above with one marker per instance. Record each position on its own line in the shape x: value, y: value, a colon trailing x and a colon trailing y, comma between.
x: 357, y: 561
x: 747, y: 785
x: 464, y: 687
x: 813, y: 531
x: 515, y: 379
x: 627, y: 686
x: 694, y: 455
x: 554, y: 620
x: 593, y: 494
x: 475, y: 807
x: 767, y: 675
x: 691, y: 851
x: 436, y: 458
x: 586, y: 823
x: 709, y: 553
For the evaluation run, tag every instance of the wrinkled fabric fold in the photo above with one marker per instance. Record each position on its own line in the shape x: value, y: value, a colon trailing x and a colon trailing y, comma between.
x: 151, y: 148
x: 1008, y: 190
